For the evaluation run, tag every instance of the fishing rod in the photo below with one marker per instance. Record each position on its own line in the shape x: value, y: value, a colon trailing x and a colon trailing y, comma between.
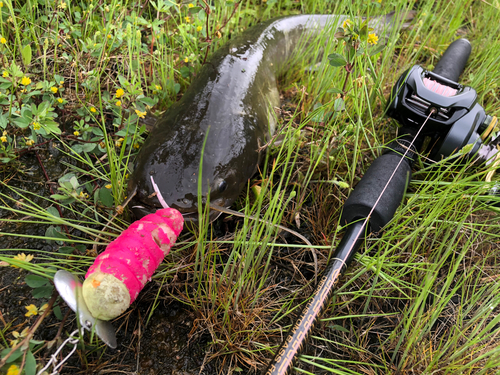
x: 427, y: 104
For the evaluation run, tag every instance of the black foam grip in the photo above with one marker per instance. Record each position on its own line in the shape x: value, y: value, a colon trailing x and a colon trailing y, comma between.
x: 452, y: 64
x: 366, y: 193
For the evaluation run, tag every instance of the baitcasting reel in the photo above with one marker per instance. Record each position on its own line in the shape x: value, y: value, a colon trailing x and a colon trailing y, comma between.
x: 457, y: 119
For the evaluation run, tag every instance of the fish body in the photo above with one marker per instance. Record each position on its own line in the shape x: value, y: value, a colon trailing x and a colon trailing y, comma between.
x: 228, y: 112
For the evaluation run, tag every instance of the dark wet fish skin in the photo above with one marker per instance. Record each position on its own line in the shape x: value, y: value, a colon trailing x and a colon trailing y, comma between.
x: 228, y: 106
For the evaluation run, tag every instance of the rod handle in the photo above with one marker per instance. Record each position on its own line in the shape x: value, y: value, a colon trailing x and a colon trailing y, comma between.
x: 452, y: 64
x: 363, y: 199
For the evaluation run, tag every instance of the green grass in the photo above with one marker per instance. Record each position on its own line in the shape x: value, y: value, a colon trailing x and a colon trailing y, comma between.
x: 421, y: 297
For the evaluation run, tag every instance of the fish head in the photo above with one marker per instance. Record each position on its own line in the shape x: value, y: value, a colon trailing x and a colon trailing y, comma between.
x: 160, y: 187
x: 169, y: 172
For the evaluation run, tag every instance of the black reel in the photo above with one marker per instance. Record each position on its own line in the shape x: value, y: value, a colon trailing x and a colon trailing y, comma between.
x: 457, y: 119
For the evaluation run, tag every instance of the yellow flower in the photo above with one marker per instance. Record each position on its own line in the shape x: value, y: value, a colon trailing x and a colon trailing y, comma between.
x: 13, y: 369
x: 3, y: 138
x: 61, y: 82
x: 118, y: 103
x: 25, y: 81
x: 93, y: 110
x: 190, y: 5
x: 76, y: 132
x: 109, y: 36
x: 108, y: 186
x: 29, y: 142
x: 158, y: 87
x: 60, y: 100
x: 5, y: 74
x: 18, y: 336
x: 119, y: 93
x: 1, y: 4
x: 136, y: 145
x: 186, y: 60
x: 347, y: 23
x: 187, y: 19
x: 36, y: 125
x: 199, y: 28
x: 140, y: 114
x: 32, y: 310
x: 53, y: 89
x: 118, y: 143
x: 372, y: 38
x: 62, y: 5
x: 22, y: 257
x: 83, y: 195
x: 3, y: 40
x: 44, y: 307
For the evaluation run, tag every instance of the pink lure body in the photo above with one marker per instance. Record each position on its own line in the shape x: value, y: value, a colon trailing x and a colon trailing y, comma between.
x: 134, y: 256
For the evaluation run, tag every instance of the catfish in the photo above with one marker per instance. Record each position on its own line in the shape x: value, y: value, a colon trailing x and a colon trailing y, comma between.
x: 227, y: 112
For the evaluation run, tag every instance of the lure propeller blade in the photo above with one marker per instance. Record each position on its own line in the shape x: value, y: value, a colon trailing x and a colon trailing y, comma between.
x: 70, y: 289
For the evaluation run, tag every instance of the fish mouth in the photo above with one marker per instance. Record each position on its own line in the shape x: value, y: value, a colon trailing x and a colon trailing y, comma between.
x: 139, y: 210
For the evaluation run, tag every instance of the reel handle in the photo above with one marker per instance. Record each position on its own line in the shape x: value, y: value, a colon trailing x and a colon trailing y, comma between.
x: 452, y: 64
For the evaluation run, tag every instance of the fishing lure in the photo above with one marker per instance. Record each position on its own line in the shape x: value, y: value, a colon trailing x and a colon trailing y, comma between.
x: 117, y: 276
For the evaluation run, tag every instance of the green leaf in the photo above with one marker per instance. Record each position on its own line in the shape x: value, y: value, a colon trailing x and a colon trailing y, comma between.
x: 53, y: 211
x: 43, y: 292
x: 30, y: 365
x: 185, y: 71
x: 89, y: 187
x: 66, y: 249
x: 123, y: 81
x: 148, y: 101
x: 14, y: 355
x: 57, y: 312
x: 51, y: 127
x: 377, y: 49
x: 106, y: 197
x: 88, y: 147
x: 334, y: 90
x: 97, y: 131
x: 55, y: 232
x: 36, y: 342
x: 74, y: 182
x: 339, y: 328
x: 35, y: 281
x: 21, y: 122
x: 16, y: 71
x: 3, y: 121
x: 338, y: 105
x: 202, y: 15
x: 337, y: 60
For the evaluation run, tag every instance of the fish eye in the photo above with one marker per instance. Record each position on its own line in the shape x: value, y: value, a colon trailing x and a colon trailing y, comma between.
x: 222, y: 186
